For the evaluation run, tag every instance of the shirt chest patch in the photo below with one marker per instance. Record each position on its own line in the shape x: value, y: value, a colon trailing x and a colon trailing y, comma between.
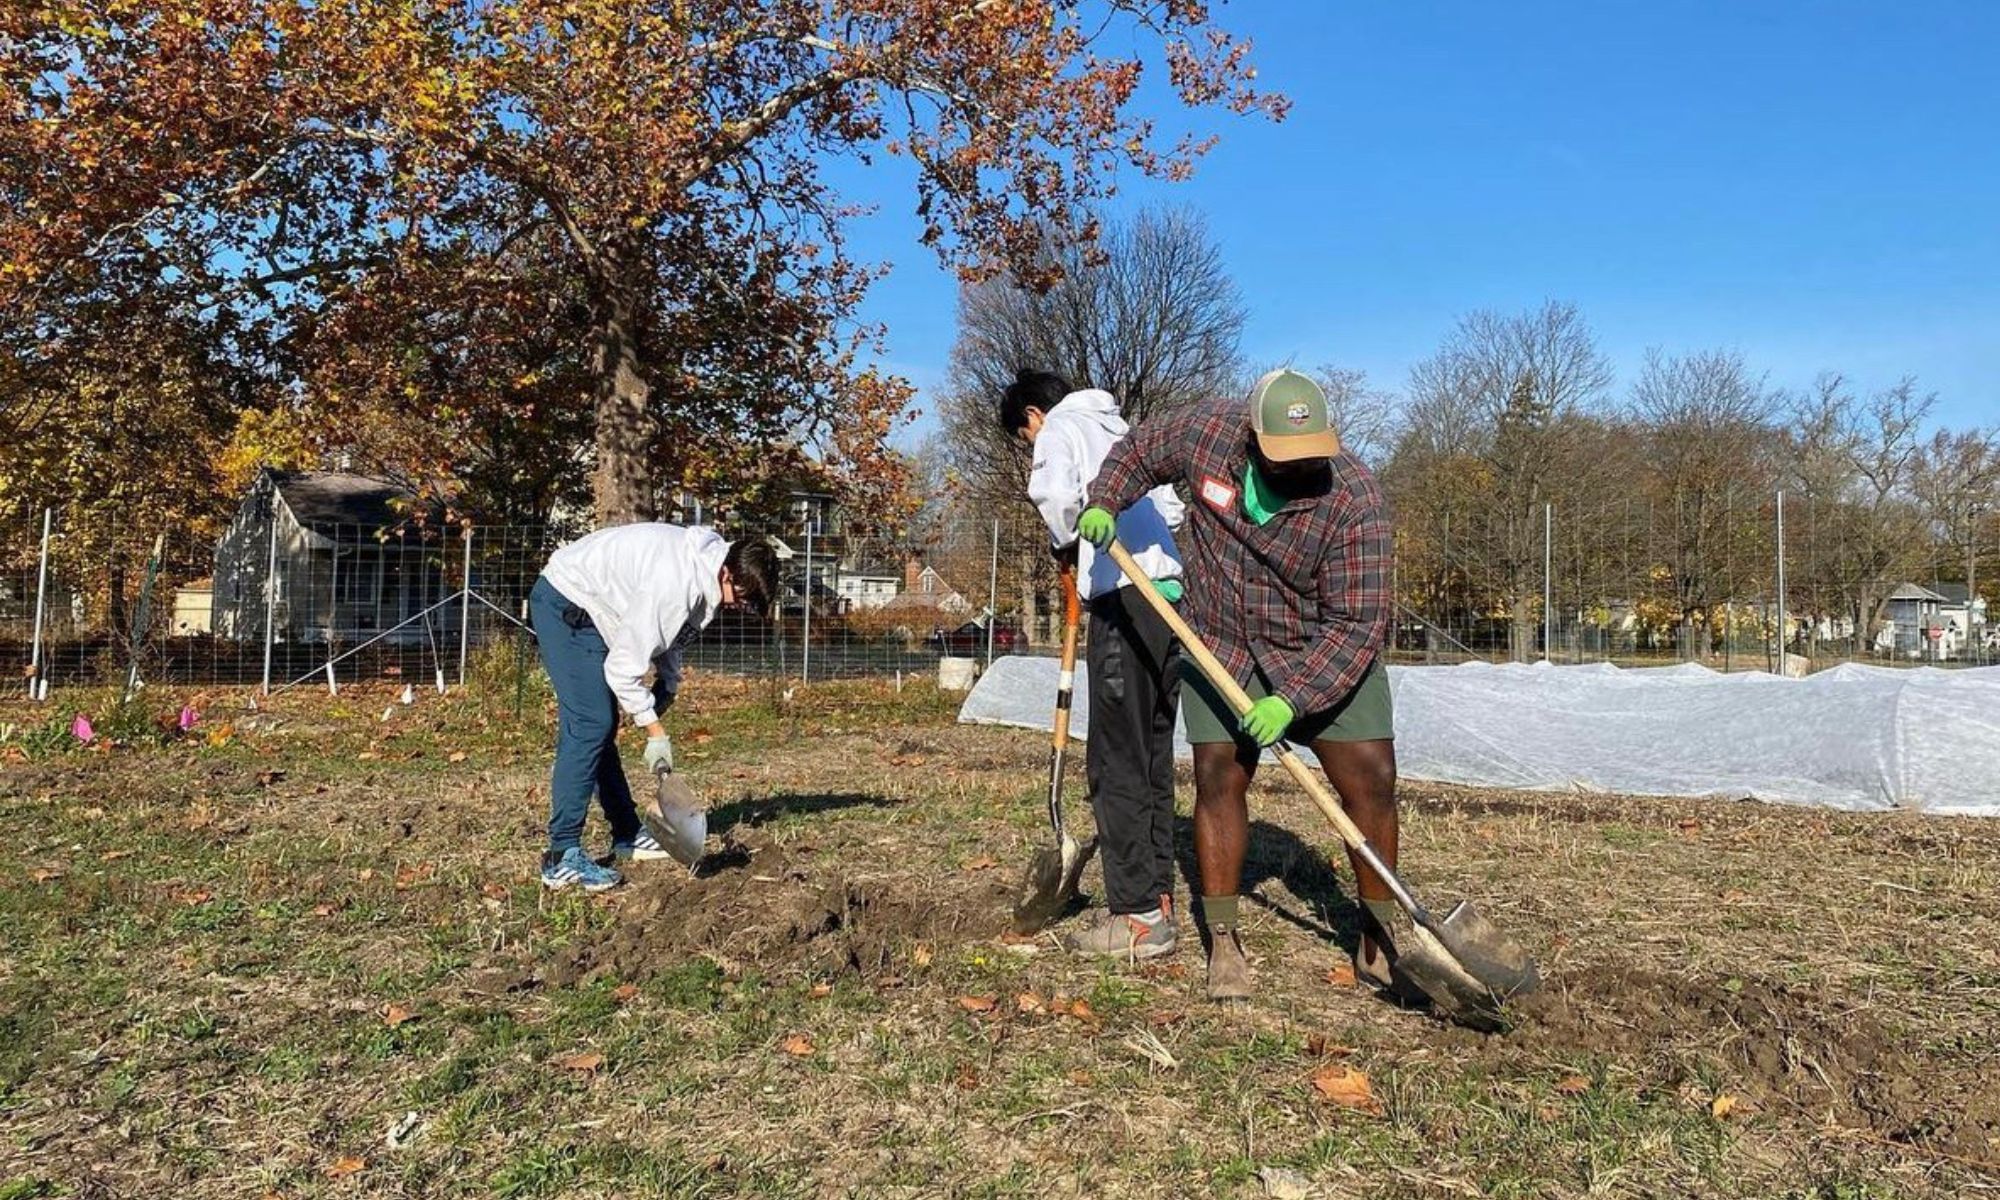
x: 1217, y: 494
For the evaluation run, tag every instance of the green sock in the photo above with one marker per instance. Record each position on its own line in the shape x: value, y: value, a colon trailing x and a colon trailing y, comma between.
x: 1384, y: 912
x: 1219, y: 911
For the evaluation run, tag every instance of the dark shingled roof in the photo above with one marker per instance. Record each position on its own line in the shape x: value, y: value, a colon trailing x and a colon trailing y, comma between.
x: 329, y: 498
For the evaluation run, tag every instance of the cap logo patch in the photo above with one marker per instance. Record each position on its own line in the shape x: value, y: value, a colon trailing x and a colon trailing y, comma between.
x: 1297, y: 414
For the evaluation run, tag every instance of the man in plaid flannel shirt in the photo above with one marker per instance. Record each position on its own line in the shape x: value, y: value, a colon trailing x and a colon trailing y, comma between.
x: 1287, y: 545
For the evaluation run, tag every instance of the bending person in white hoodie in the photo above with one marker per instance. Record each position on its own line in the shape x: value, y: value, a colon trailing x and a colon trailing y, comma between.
x: 1133, y: 660
x: 609, y: 607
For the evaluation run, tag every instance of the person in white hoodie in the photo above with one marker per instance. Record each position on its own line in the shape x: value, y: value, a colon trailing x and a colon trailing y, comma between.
x: 608, y: 608
x: 1132, y: 659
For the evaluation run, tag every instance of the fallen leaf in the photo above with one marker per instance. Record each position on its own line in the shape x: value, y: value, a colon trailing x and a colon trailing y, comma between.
x: 1690, y: 827
x: 396, y: 1014
x: 343, y: 1167
x: 409, y: 876
x: 1735, y: 896
x: 1082, y: 1078
x: 1082, y: 1011
x: 1160, y: 1020
x: 1320, y: 1046
x: 324, y: 910
x: 457, y: 756
x: 1346, y: 1087
x: 1573, y: 1085
x: 968, y: 1078
x: 889, y: 981
x: 115, y: 855
x: 624, y: 992
x: 1341, y: 975
x: 585, y: 1062
x: 368, y: 755
x: 976, y: 1003
x: 701, y: 737
x: 196, y: 897
x: 798, y: 1045
x: 1028, y: 1002
x: 365, y: 874
x: 1722, y: 1106
x: 982, y: 863
x: 46, y: 874
x: 921, y: 956
x: 492, y: 890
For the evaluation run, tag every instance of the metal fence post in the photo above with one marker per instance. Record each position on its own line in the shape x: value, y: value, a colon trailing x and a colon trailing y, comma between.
x: 1780, y: 657
x: 1548, y: 581
x: 271, y: 594
x: 806, y: 654
x: 993, y: 593
x: 465, y: 607
x: 35, y: 689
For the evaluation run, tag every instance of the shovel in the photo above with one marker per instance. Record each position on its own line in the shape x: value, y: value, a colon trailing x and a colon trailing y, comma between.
x: 1050, y: 882
x: 1464, y: 964
x: 677, y: 818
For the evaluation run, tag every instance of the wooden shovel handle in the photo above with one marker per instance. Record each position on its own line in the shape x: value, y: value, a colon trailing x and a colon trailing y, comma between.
x: 1239, y: 700
x: 1065, y: 682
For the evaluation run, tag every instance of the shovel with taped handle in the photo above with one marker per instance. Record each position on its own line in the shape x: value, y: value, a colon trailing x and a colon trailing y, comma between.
x: 1464, y: 964
x: 1050, y: 882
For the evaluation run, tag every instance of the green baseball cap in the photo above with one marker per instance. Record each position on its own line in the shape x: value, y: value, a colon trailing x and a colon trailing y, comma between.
x: 1288, y: 415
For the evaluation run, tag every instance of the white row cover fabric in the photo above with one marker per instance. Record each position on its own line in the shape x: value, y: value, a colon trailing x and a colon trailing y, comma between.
x: 1853, y: 737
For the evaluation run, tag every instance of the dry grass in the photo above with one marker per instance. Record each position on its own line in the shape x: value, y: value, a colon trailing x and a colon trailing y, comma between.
x: 235, y: 970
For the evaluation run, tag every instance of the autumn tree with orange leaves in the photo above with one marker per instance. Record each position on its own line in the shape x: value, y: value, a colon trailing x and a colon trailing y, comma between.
x: 461, y: 227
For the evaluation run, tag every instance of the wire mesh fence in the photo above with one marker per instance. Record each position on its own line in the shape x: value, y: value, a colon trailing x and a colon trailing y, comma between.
x: 278, y: 600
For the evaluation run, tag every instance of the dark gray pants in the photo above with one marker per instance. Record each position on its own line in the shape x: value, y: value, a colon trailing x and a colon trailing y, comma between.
x: 1134, y: 688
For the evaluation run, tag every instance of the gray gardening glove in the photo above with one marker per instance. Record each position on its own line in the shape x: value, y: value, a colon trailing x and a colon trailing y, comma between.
x: 659, y: 754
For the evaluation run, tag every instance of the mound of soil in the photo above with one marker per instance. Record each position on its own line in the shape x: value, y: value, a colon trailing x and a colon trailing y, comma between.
x: 1771, y: 1043
x: 780, y: 911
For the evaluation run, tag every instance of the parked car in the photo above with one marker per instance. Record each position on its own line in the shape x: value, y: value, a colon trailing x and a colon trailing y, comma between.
x: 969, y: 639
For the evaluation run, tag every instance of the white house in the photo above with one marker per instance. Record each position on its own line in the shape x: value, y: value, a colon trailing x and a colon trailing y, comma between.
x: 860, y: 593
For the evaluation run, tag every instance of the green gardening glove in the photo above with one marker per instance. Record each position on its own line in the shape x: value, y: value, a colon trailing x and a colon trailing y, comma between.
x: 1097, y: 526
x: 1267, y: 719
x: 1171, y: 589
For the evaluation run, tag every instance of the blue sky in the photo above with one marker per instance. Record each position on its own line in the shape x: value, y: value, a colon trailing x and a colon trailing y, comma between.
x: 1815, y: 183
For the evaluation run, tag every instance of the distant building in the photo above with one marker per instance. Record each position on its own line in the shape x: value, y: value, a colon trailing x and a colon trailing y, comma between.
x: 864, y: 592
x: 1914, y: 612
x: 352, y: 563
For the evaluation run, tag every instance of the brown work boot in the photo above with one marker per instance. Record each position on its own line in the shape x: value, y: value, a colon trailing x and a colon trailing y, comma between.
x: 1375, y: 959
x: 1228, y: 966
x: 1126, y: 935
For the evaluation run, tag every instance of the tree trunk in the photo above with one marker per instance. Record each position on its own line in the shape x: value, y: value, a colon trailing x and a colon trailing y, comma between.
x: 622, y: 488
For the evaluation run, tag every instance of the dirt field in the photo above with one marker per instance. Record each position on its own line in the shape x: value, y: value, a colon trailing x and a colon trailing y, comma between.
x: 303, y: 953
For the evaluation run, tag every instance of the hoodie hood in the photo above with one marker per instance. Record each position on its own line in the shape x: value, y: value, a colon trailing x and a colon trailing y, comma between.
x: 708, y: 549
x: 1097, y: 406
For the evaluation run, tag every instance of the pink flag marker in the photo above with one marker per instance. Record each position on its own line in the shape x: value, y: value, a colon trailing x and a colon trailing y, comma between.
x: 188, y: 717
x: 81, y: 728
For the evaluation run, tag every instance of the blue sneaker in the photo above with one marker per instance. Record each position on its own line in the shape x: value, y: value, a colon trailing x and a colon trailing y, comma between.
x: 574, y: 867
x: 643, y: 847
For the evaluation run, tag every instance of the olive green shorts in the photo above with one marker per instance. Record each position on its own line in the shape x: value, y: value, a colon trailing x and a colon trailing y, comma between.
x: 1366, y: 715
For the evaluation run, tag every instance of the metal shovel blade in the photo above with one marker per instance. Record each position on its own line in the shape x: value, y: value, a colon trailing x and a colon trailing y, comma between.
x: 677, y: 819
x: 1466, y: 966
x: 1049, y: 883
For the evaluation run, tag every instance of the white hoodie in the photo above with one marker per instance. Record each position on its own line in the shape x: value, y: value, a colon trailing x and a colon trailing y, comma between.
x: 649, y: 588
x: 1076, y: 436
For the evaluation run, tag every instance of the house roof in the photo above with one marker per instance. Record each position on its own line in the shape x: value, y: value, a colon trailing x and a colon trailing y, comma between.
x: 328, y: 498
x: 1916, y: 591
x: 1953, y: 593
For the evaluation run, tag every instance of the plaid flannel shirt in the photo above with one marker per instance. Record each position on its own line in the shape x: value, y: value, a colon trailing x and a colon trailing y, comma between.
x: 1305, y: 597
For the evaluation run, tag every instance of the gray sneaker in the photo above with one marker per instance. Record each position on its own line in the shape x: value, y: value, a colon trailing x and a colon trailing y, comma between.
x: 1116, y: 935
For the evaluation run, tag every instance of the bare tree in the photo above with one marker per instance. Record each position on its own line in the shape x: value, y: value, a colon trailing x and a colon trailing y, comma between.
x: 1706, y: 422
x: 1957, y: 480
x: 1488, y: 423
x: 1150, y: 316
x: 1858, y: 462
